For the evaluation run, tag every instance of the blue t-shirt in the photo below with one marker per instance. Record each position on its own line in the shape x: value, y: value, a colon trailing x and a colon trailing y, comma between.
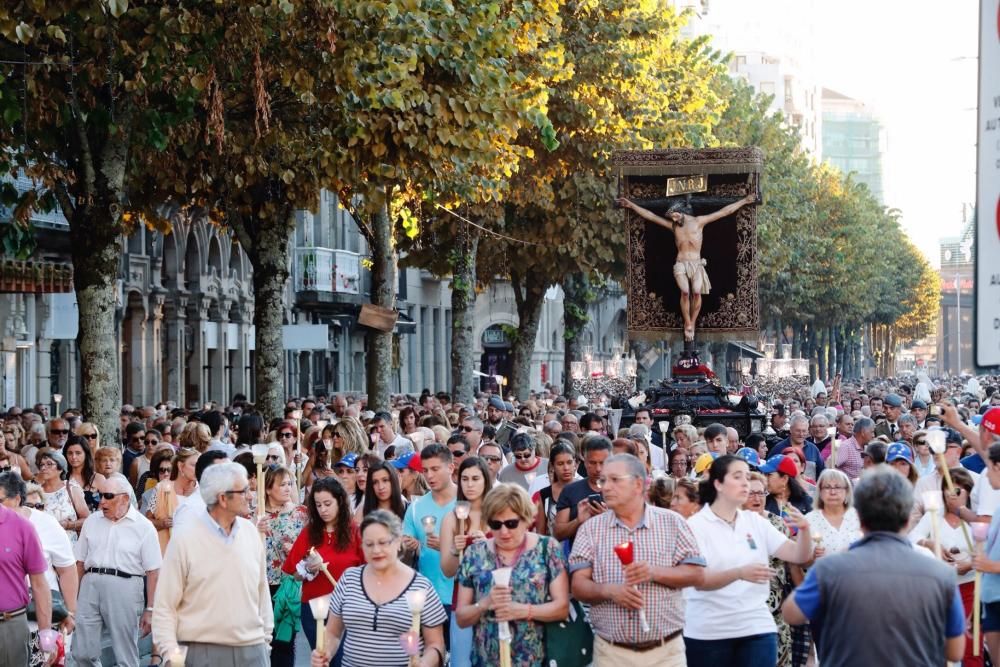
x: 429, y: 563
x: 807, y: 598
x: 973, y: 462
x: 991, y: 582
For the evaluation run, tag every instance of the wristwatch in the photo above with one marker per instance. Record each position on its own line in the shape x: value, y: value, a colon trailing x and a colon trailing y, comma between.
x: 149, y: 609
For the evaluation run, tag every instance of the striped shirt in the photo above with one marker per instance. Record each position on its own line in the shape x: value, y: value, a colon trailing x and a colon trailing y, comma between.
x: 662, y: 539
x: 373, y: 630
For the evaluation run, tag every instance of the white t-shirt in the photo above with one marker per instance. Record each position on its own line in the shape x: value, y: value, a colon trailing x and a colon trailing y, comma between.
x: 985, y: 499
x: 740, y: 608
x: 56, y: 546
x: 951, y: 538
x: 189, y: 508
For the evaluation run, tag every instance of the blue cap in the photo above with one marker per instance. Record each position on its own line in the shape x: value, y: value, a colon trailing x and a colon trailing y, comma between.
x: 401, y: 462
x: 976, y: 420
x: 749, y: 455
x: 497, y: 403
x: 780, y: 463
x: 899, y: 450
x: 349, y: 460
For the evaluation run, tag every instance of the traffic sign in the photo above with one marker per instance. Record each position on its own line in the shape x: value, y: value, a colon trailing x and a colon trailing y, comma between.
x: 987, y: 311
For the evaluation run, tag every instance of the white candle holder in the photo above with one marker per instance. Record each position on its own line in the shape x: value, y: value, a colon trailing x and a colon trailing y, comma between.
x: 178, y: 656
x: 320, y: 607
x: 937, y: 440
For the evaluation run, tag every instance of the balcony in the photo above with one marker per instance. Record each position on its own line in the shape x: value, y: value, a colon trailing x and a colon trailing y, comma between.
x: 327, y: 276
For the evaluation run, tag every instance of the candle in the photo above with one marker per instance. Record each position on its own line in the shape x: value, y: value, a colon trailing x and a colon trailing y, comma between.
x: 260, y: 457
x: 410, y: 643
x: 319, y: 606
x: 933, y: 503
x: 462, y: 510
x: 178, y: 656
x: 626, y: 554
x: 415, y: 598
x: 429, y: 522
x: 501, y: 577
x: 314, y: 556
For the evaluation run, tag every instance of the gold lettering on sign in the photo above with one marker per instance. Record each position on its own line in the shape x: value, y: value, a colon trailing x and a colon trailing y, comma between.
x: 686, y: 184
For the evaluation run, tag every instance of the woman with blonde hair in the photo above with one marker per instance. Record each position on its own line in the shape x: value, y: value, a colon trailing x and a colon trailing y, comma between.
x: 195, y: 436
x: 90, y: 434
x: 349, y: 436
x: 684, y: 435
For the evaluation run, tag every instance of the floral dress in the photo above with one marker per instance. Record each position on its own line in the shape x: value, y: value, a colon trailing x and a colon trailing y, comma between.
x: 529, y: 584
x: 780, y: 587
x: 60, y: 505
x: 283, y: 527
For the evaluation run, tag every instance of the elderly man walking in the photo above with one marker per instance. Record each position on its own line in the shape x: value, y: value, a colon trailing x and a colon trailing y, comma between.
x: 213, y: 597
x: 21, y: 557
x: 665, y: 560
x: 871, y: 593
x: 117, y: 548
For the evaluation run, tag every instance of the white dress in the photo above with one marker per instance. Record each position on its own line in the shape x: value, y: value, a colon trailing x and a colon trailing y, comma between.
x: 836, y: 540
x: 59, y: 504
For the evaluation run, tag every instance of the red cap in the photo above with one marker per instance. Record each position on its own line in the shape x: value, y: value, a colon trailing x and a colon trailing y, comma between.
x: 415, y: 464
x: 991, y: 420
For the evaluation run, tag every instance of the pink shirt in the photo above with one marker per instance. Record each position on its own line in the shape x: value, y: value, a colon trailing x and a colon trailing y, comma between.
x: 20, y: 555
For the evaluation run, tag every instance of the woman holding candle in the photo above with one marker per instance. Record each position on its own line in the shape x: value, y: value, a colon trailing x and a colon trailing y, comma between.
x: 370, y: 607
x: 539, y: 584
x: 727, y: 620
x: 332, y: 535
x: 834, y: 522
x: 457, y: 534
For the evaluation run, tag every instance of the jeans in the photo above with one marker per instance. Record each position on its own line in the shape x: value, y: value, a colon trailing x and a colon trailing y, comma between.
x: 752, y: 651
x: 309, y: 628
x: 461, y: 644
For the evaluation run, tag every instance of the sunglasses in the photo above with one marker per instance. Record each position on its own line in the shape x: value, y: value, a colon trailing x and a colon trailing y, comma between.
x: 36, y: 506
x: 165, y: 471
x: 468, y: 429
x: 523, y: 456
x: 286, y: 435
x: 152, y: 441
x: 4, y: 468
x: 59, y: 431
x: 458, y: 453
x: 491, y: 459
x: 112, y: 496
x: 89, y: 436
x: 509, y: 524
x: 273, y: 457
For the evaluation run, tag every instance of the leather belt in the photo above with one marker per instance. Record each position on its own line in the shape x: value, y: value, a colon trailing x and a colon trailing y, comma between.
x: 112, y: 572
x: 8, y: 615
x: 642, y: 647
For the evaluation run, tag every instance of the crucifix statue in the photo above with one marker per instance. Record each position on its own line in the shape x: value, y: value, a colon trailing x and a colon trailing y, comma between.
x: 689, y: 269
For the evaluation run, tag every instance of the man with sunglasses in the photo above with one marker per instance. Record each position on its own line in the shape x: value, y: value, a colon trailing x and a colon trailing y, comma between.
x: 118, y: 549
x: 493, y: 455
x: 459, y: 448
x: 135, y: 444
x: 528, y: 470
x: 472, y: 430
x: 57, y: 433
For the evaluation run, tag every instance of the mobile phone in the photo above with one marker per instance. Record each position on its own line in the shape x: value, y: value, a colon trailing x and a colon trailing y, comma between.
x: 596, y: 499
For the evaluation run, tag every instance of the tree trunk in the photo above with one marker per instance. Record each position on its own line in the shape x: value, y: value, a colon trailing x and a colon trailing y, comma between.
x: 384, y: 276
x: 463, y: 301
x: 576, y: 298
x: 529, y: 295
x: 269, y: 258
x: 821, y: 358
x: 93, y: 206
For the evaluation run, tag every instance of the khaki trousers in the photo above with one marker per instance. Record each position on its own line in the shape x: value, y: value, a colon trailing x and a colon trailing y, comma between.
x: 670, y: 654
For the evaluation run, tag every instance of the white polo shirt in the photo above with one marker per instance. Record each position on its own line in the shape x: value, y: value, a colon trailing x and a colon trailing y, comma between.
x: 740, y: 608
x: 129, y: 544
x: 985, y: 499
x: 55, y: 544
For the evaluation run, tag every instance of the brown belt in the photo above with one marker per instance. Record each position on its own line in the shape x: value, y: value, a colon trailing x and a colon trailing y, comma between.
x: 647, y: 646
x: 8, y: 615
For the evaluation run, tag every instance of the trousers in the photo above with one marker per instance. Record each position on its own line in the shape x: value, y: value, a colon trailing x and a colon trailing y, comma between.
x: 112, y: 603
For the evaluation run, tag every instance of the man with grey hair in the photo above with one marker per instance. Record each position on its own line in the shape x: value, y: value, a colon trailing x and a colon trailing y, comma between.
x: 907, y: 427
x: 911, y: 624
x: 666, y: 560
x: 118, y: 546
x: 799, y: 429
x: 215, y: 569
x: 57, y: 433
x: 472, y: 430
x: 845, y: 455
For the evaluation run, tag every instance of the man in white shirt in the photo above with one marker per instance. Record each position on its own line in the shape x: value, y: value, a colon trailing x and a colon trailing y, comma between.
x: 387, y: 436
x: 194, y: 505
x: 218, y: 425
x: 117, y: 546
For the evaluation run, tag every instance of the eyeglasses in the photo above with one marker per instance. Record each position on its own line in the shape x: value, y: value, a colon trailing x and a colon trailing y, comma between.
x: 237, y: 492
x: 757, y: 494
x: 509, y: 524
x: 468, y: 429
x: 112, y: 496
x: 152, y: 441
x: 491, y: 459
x: 35, y: 506
x: 4, y: 468
x: 165, y: 471
x: 381, y: 544
x: 524, y: 456
x: 59, y: 431
x: 47, y: 464
x: 286, y: 435
x: 89, y: 436
x: 833, y: 488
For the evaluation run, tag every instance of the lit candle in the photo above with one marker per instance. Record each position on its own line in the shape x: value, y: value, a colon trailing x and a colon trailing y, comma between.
x: 260, y: 457
x: 626, y: 554
x: 415, y: 598
x: 501, y: 577
x: 178, y: 656
x: 429, y: 522
x: 462, y: 509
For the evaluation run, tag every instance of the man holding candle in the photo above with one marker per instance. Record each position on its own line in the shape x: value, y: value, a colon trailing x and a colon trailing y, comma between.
x: 637, y: 610
x: 425, y: 516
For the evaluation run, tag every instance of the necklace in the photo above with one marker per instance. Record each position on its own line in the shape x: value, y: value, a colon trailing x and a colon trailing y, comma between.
x: 730, y: 522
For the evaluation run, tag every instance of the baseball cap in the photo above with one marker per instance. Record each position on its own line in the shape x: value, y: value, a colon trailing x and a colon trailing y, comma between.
x: 749, y: 455
x: 991, y: 420
x: 917, y: 404
x: 704, y: 461
x: 894, y: 400
x: 899, y: 450
x: 496, y: 403
x: 952, y: 437
x: 348, y: 460
x: 409, y: 460
x: 780, y: 463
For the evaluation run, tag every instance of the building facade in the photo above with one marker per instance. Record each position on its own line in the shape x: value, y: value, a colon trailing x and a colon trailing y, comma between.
x: 854, y: 140
x: 955, y: 323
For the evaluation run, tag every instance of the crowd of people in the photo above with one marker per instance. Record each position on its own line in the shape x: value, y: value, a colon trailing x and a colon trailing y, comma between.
x: 505, y: 532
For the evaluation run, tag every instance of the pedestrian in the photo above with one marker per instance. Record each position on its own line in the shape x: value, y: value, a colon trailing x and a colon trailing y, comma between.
x: 870, y: 593
x: 685, y: 500
x: 783, y: 486
x: 63, y: 500
x: 213, y: 596
x: 117, y: 551
x: 330, y: 531
x: 637, y: 611
x: 22, y: 563
x: 528, y: 469
x: 581, y: 500
x: 538, y: 591
x: 834, y: 522
x: 369, y: 611
x: 727, y: 621
x: 382, y: 492
x: 562, y: 472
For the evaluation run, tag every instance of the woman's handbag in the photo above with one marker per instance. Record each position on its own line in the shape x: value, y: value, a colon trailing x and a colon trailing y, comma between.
x: 570, y: 642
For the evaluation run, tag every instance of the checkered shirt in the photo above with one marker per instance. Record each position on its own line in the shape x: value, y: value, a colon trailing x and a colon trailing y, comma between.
x: 661, y: 539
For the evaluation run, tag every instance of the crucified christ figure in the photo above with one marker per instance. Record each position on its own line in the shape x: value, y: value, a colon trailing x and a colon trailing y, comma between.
x: 689, y: 270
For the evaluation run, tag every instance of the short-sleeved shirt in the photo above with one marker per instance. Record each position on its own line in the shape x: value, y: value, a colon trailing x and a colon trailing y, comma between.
x: 984, y: 498
x: 738, y: 609
x: 129, y: 544
x: 429, y: 562
x: 372, y: 631
x: 571, y: 496
x: 55, y: 543
x: 337, y: 560
x: 20, y: 555
x: 511, y: 474
x: 663, y: 539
